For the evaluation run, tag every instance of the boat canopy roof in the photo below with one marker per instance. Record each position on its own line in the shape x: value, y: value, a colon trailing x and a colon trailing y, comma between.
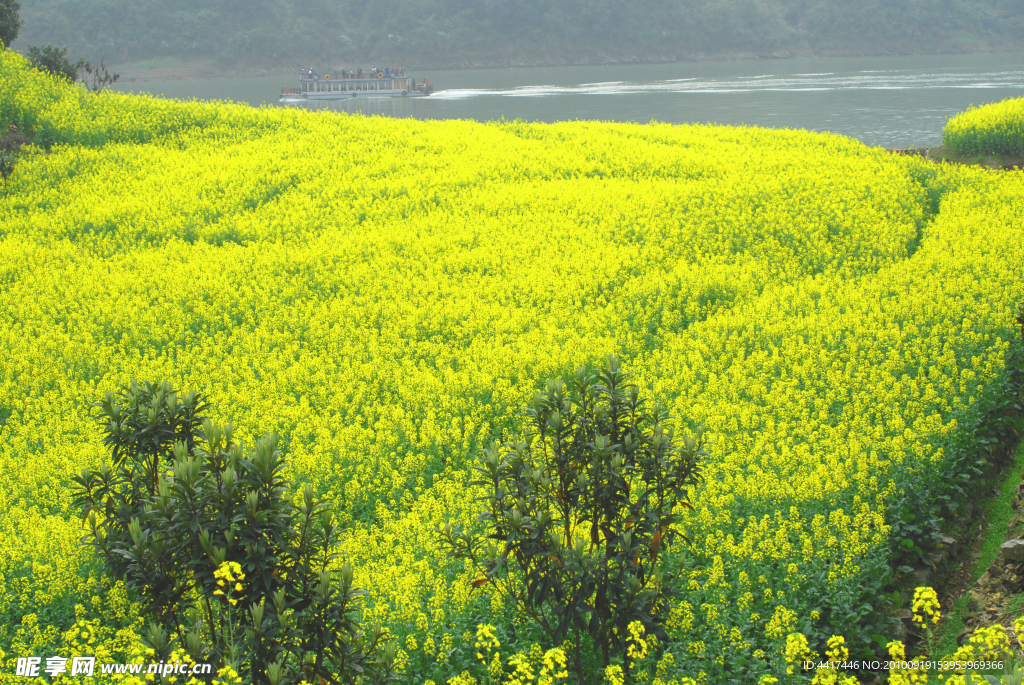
x: 371, y: 74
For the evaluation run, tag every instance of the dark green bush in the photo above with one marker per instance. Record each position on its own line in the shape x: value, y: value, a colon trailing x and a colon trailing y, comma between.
x: 54, y: 61
x: 578, y: 514
x: 230, y: 568
x: 1020, y: 320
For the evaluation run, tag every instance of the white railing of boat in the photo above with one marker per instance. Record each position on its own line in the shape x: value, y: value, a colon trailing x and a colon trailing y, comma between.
x: 329, y: 84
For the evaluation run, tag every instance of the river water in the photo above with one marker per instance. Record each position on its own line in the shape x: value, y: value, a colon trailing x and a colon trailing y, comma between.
x: 886, y: 101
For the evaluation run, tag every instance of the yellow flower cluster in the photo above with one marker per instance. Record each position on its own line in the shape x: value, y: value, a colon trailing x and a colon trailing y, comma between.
x: 902, y: 671
x: 537, y: 667
x: 926, y: 607
x: 797, y: 650
x: 613, y: 675
x: 553, y: 667
x: 464, y: 678
x: 835, y: 655
x: 486, y: 639
x: 227, y: 573
x: 487, y: 645
x: 828, y: 672
x: 385, y: 295
x: 225, y: 676
x: 637, y: 646
x: 991, y: 643
x: 994, y: 128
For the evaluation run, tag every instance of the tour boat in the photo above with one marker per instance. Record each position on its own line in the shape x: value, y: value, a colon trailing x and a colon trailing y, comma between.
x: 355, y: 83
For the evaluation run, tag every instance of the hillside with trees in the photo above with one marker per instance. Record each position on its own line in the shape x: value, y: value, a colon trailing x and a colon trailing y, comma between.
x: 461, y: 33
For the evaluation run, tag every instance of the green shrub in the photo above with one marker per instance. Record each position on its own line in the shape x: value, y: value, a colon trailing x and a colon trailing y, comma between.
x: 53, y: 61
x: 1020, y: 319
x: 231, y: 571
x: 579, y: 513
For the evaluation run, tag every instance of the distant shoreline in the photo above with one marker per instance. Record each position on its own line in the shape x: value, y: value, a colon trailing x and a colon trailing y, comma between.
x: 210, y: 70
x: 191, y: 72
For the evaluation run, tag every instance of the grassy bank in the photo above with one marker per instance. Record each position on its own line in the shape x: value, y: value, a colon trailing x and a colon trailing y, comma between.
x: 998, y: 514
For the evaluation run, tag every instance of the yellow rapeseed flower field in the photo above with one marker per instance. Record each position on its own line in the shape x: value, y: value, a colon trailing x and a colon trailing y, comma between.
x: 384, y: 294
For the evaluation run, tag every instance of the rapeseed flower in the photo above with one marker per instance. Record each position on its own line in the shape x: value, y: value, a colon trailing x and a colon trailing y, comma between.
x: 835, y: 316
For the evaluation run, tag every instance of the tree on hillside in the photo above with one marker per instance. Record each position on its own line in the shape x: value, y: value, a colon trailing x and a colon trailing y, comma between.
x: 434, y: 32
x: 10, y: 22
x: 95, y: 78
x: 232, y: 568
x: 579, y: 513
x: 54, y: 61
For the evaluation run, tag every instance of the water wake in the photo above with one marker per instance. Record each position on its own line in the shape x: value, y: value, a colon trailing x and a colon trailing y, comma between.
x: 863, y: 80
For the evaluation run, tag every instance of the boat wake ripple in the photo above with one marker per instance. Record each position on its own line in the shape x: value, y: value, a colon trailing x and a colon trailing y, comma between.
x: 864, y: 80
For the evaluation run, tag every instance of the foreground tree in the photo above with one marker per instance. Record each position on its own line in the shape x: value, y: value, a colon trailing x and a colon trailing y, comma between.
x: 230, y: 569
x: 10, y: 22
x: 577, y: 515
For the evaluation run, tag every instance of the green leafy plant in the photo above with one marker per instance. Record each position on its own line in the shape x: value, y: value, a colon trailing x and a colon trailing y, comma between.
x: 54, y: 61
x: 230, y: 569
x: 1013, y: 672
x: 1020, y: 319
x: 8, y: 160
x: 578, y: 514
